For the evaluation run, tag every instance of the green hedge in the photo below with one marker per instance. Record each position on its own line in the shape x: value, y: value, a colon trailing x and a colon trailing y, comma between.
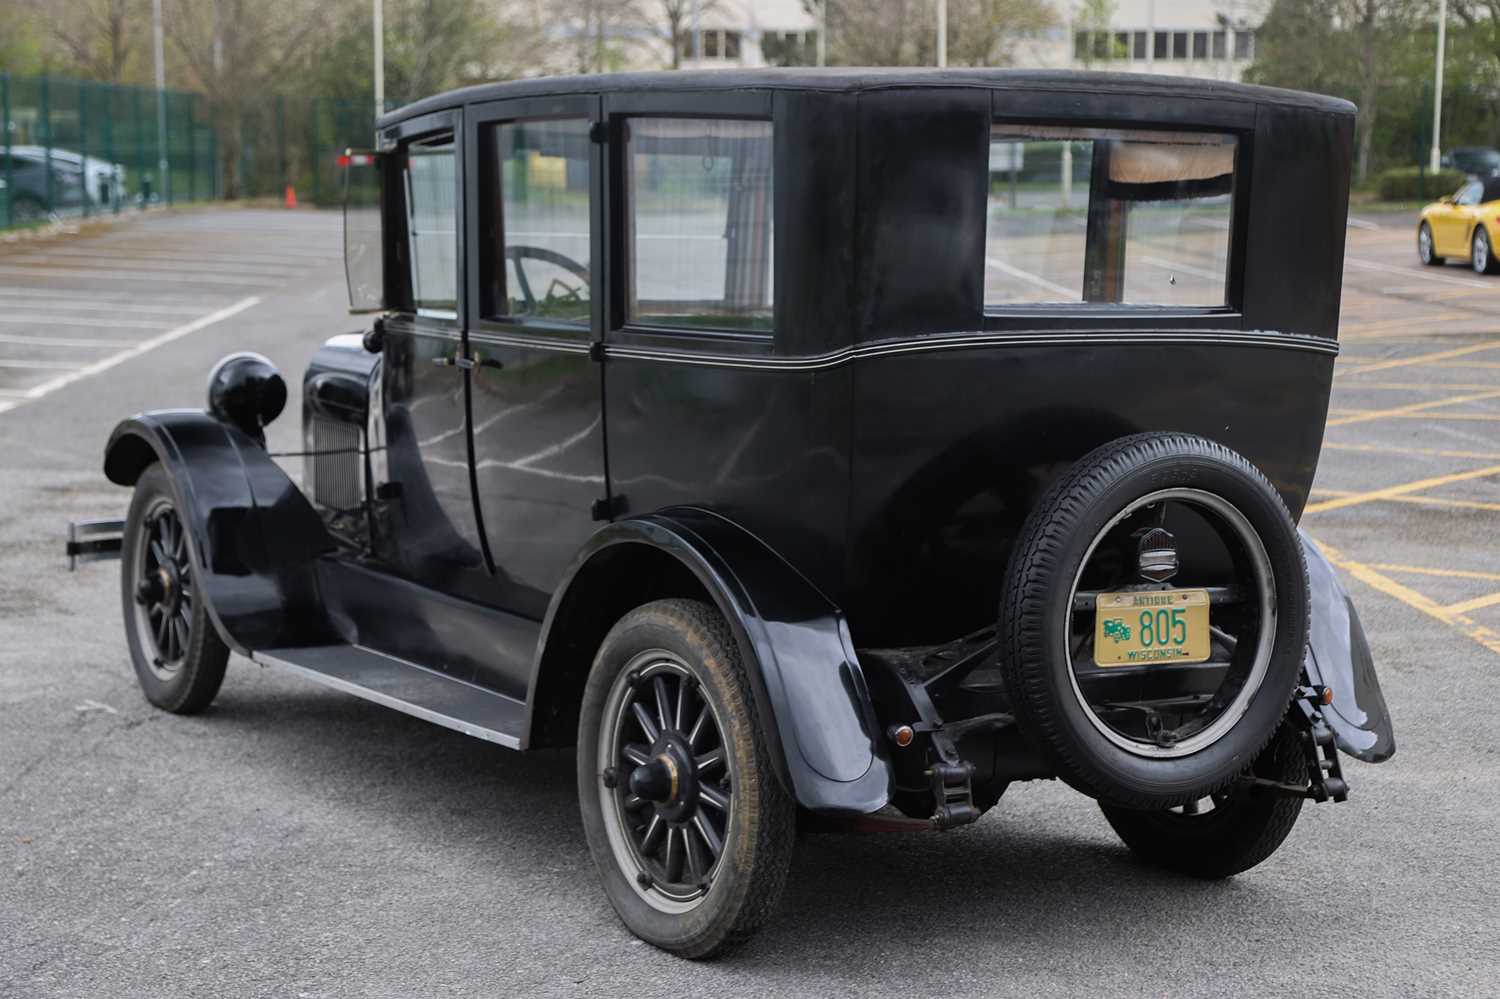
x: 1414, y: 184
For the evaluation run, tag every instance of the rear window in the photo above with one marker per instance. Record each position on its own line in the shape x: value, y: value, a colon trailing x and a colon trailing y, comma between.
x: 700, y: 204
x: 1108, y: 216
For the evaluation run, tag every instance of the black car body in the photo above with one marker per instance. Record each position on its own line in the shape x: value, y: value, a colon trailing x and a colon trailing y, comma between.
x: 809, y: 350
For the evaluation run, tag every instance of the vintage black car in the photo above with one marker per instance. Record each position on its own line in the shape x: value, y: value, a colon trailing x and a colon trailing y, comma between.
x: 819, y: 450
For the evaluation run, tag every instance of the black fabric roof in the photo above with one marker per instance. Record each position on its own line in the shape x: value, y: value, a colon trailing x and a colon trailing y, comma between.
x: 850, y: 80
x: 1491, y: 189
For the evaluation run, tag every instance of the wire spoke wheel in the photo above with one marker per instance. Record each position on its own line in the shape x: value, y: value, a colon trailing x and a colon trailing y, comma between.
x: 164, y: 588
x: 665, y: 768
x: 177, y: 653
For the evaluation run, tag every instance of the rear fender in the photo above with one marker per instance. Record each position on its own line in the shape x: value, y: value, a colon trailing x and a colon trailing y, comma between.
x: 253, y: 535
x: 1339, y: 657
x: 794, y: 642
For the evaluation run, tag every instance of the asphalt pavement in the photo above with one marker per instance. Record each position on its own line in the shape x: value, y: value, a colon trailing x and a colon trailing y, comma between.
x: 293, y: 841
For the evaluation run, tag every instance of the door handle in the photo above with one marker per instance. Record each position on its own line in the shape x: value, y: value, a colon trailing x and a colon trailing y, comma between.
x: 467, y: 363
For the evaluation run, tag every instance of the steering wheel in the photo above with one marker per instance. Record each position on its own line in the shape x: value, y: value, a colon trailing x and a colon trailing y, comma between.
x: 557, y: 289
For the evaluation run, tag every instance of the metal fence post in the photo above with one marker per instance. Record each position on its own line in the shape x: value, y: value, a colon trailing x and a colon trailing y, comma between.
x: 9, y: 172
x: 46, y: 115
x: 165, y: 153
x: 281, y: 181
x: 140, y: 147
x: 192, y: 134
x: 83, y: 142
x: 110, y: 93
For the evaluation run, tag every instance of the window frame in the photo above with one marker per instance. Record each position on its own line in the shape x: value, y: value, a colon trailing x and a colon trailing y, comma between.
x: 482, y: 121
x: 1096, y: 112
x: 393, y: 143
x: 747, y: 105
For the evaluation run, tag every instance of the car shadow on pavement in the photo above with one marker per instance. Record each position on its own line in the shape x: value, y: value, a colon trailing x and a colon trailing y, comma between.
x: 1040, y: 877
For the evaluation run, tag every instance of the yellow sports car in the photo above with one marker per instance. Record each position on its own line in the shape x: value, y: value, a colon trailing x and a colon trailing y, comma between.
x: 1465, y: 224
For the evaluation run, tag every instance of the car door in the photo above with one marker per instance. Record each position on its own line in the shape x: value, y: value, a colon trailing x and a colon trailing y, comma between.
x: 1452, y: 221
x: 425, y: 527
x: 536, y: 392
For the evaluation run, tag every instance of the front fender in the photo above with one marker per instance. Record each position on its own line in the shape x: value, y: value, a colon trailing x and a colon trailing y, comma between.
x: 253, y: 536
x: 1339, y: 657
x: 796, y: 647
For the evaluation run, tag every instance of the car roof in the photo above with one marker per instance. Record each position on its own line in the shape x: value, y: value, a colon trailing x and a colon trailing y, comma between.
x: 1491, y: 189
x: 857, y: 80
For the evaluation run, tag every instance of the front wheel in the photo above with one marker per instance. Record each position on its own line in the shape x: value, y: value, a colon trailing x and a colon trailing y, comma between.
x: 689, y: 827
x: 179, y: 658
x: 1425, y: 246
x: 1483, y: 255
x: 1225, y: 833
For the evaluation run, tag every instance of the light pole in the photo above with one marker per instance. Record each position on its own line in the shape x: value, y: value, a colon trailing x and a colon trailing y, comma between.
x: 1437, y: 88
x: 163, y: 181
x: 379, y: 58
x: 942, y: 33
x: 822, y: 32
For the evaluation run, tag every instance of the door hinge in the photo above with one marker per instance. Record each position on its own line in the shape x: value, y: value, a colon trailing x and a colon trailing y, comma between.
x: 609, y: 507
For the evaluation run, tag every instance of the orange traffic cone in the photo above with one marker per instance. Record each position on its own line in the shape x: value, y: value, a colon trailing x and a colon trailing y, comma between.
x: 291, y: 196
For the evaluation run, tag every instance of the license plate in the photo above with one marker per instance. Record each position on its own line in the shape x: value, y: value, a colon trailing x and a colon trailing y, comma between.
x: 1158, y: 626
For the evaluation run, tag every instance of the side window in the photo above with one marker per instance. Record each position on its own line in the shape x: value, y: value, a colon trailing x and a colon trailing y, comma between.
x: 431, y: 180
x: 1108, y: 216
x: 538, y: 262
x: 1469, y: 193
x: 699, y: 222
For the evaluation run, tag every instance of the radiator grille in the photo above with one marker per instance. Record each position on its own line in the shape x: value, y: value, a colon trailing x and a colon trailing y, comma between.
x: 334, y: 466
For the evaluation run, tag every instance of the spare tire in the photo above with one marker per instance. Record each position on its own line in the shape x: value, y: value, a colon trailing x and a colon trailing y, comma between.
x: 1123, y: 717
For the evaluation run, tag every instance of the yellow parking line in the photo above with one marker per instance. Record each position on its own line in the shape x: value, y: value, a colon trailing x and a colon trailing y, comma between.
x: 1355, y: 499
x: 1368, y: 575
x: 1417, y: 386
x: 1478, y: 603
x: 1425, y: 451
x: 1421, y: 570
x: 1348, y: 415
x: 1402, y: 362
x: 1364, y: 416
x: 1364, y: 328
x: 1418, y: 500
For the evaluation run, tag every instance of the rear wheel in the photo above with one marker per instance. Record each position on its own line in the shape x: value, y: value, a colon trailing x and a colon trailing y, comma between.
x: 178, y: 656
x: 1425, y: 246
x: 1225, y: 833
x: 1483, y: 255
x: 691, y: 830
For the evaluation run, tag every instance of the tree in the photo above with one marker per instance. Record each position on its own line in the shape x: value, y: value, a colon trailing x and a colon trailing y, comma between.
x: 671, y: 22
x: 95, y: 38
x: 1350, y: 48
x: 904, y: 32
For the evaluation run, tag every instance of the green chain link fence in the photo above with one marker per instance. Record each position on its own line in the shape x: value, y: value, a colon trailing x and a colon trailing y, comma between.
x: 74, y: 148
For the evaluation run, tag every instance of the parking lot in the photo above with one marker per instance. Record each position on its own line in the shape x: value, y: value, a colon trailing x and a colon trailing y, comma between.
x: 293, y: 841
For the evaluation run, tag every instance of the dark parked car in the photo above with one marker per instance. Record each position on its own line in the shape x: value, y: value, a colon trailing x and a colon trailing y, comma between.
x: 1477, y: 161
x: 76, y: 181
x: 741, y: 431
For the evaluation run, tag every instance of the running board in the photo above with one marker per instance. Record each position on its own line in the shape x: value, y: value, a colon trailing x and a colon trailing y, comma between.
x: 415, y: 690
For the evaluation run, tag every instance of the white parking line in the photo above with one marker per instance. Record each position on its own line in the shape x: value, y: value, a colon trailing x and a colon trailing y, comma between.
x: 1036, y: 279
x: 83, y: 299
x: 61, y: 341
x: 62, y: 381
x: 1355, y: 223
x: 95, y: 322
x: 1173, y: 265
x: 1424, y: 274
x: 93, y: 274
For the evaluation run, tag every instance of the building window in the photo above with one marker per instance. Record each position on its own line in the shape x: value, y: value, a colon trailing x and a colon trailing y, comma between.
x: 700, y: 200
x: 1101, y: 45
x: 1200, y: 45
x: 1138, y: 45
x: 1219, y: 50
x: 1108, y: 216
x: 710, y: 45
x: 731, y: 45
x: 1081, y: 45
x: 1244, y: 45
x: 1179, y: 45
x: 1160, y: 45
x: 538, y: 234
